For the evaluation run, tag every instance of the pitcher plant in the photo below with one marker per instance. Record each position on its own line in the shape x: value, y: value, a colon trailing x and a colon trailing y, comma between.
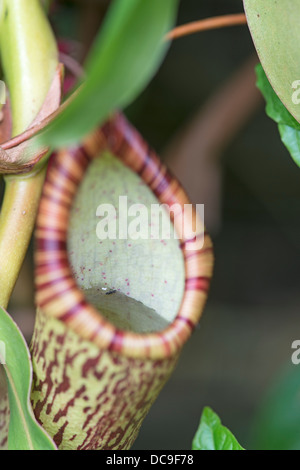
x: 113, y: 313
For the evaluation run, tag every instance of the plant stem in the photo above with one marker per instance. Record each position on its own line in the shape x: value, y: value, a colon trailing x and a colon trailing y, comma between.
x: 17, y: 220
x: 29, y: 59
x: 207, y: 24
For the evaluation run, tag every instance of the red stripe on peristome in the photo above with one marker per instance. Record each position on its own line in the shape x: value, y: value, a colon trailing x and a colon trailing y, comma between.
x: 165, y: 343
x: 191, y: 254
x: 158, y: 172
x: 145, y: 163
x: 56, y: 200
x: 201, y: 252
x: 65, y: 173
x: 87, y: 157
x: 197, y: 283
x: 151, y: 169
x: 135, y: 142
x: 117, y: 342
x: 50, y: 244
x: 45, y: 285
x: 74, y: 311
x: 55, y: 295
x: 163, y: 185
x: 187, y: 321
x: 186, y: 242
x: 194, y: 240
x: 112, y: 137
x: 147, y: 345
x: 54, y: 265
x: 97, y: 331
x: 59, y: 187
x: 53, y: 230
x: 80, y: 156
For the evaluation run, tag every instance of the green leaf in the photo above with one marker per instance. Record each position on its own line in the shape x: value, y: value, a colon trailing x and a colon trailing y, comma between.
x: 274, y: 26
x: 275, y: 109
x: 125, y: 56
x: 211, y: 435
x: 291, y: 139
x: 24, y: 431
x: 276, y: 425
x: 289, y: 128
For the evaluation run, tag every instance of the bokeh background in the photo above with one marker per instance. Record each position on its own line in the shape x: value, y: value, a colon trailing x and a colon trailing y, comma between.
x: 204, y: 116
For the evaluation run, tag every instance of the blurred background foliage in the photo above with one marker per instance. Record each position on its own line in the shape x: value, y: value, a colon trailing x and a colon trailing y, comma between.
x: 236, y: 165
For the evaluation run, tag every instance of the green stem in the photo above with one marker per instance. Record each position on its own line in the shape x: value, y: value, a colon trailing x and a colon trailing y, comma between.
x: 29, y: 59
x: 17, y: 221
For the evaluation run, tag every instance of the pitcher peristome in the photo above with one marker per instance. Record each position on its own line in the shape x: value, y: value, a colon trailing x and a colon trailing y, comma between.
x: 95, y: 383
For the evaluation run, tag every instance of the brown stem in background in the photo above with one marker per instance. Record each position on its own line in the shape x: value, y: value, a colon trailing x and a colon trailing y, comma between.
x: 207, y: 24
x: 194, y: 153
x: 92, y: 15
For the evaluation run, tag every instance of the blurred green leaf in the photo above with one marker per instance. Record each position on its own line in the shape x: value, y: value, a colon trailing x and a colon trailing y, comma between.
x: 277, y: 423
x: 212, y: 435
x: 125, y: 56
x: 291, y: 139
x: 275, y: 109
x: 274, y: 26
x: 289, y: 128
x: 24, y: 431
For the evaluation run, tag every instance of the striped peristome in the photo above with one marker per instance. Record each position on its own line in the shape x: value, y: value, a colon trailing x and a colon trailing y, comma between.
x: 93, y: 383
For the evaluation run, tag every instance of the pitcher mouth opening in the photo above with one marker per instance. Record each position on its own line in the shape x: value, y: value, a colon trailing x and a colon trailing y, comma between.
x: 57, y: 292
